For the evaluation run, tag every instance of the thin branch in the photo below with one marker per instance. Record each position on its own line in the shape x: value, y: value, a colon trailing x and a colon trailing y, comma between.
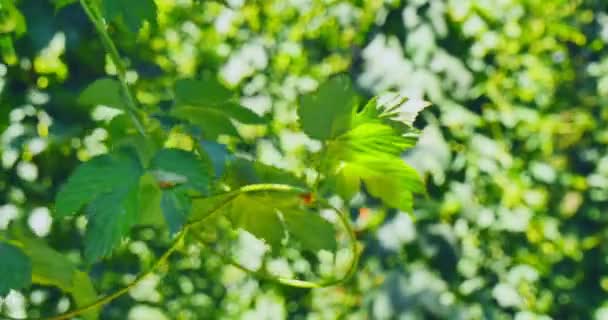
x: 176, y: 244
x: 95, y: 16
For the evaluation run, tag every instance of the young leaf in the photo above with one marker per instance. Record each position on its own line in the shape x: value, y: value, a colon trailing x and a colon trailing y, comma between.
x: 208, y: 104
x: 105, y: 91
x: 15, y: 269
x: 370, y: 151
x: 132, y: 13
x: 328, y: 112
x: 111, y: 215
x: 101, y: 174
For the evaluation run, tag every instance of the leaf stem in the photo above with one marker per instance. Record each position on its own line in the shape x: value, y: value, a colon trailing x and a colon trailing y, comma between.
x: 95, y: 16
x: 177, y: 243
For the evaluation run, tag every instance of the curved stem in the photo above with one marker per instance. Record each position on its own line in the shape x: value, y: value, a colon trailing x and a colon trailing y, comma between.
x: 95, y: 16
x: 181, y: 236
x: 109, y: 298
x: 287, y: 281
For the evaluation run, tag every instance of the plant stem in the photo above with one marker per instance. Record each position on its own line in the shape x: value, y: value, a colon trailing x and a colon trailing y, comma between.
x: 182, y: 235
x: 107, y: 299
x: 131, y: 105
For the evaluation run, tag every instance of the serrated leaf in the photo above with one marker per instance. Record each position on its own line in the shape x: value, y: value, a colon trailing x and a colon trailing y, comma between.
x: 101, y: 174
x: 176, y: 167
x: 15, y: 269
x: 310, y: 229
x: 176, y: 206
x: 132, y: 13
x: 105, y: 91
x: 370, y: 153
x: 391, y: 180
x: 110, y: 217
x: 272, y: 216
x: 328, y: 112
x: 209, y: 105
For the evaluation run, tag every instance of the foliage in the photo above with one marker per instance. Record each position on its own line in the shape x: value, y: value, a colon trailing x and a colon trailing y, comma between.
x: 221, y: 96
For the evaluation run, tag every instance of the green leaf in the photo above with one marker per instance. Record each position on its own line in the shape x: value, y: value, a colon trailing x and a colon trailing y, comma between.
x: 176, y: 206
x: 312, y: 231
x: 328, y: 112
x: 51, y: 268
x: 84, y: 294
x: 241, y: 172
x: 15, y: 269
x: 258, y: 215
x: 150, y: 196
x: 105, y: 91
x: 101, y: 174
x: 176, y: 167
x: 211, y: 106
x: 202, y: 207
x: 132, y: 13
x: 62, y: 3
x: 391, y: 180
x: 272, y: 216
x: 111, y: 216
x: 370, y: 153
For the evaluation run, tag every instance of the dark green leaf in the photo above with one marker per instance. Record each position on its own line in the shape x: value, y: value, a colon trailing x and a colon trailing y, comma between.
x: 99, y: 175
x: 15, y: 269
x: 111, y: 216
x: 182, y: 168
x: 176, y: 208
x: 328, y: 112
x: 105, y: 92
x: 132, y: 13
x: 204, y: 92
x: 211, y: 106
x: 62, y: 3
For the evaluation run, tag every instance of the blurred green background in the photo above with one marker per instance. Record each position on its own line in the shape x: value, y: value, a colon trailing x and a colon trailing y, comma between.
x: 514, y: 150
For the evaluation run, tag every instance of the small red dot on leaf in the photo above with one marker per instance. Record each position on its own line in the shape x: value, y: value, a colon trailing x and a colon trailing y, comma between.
x: 165, y: 184
x: 307, y: 198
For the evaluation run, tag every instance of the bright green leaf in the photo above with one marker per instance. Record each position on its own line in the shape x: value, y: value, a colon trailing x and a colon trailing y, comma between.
x: 328, y: 112
x: 15, y: 269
